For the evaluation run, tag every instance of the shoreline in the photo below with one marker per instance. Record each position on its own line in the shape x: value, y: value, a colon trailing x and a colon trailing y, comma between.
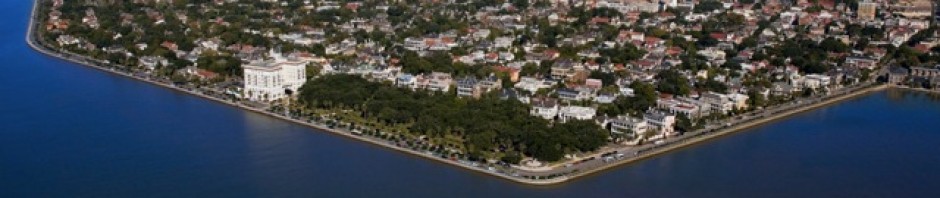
x: 32, y: 42
x: 735, y: 129
x: 929, y: 91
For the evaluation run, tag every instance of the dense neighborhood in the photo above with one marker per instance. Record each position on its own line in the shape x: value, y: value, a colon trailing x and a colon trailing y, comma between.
x: 529, y: 82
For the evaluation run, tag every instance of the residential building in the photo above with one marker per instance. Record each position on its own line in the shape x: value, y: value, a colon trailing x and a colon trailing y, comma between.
x: 739, y: 100
x: 532, y: 84
x: 546, y: 108
x: 64, y: 40
x: 815, y: 81
x: 564, y: 69
x: 439, y: 81
x: 467, y: 87
x: 719, y: 103
x: 898, y: 75
x: 576, y: 94
x: 268, y: 80
x: 152, y: 62
x: 491, y: 83
x: 576, y: 113
x: 663, y: 122
x: 406, y: 81
x: 925, y: 72
x: 628, y: 126
x: 682, y: 106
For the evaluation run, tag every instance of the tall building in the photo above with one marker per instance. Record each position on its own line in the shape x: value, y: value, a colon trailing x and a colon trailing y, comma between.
x: 268, y: 80
x: 867, y: 10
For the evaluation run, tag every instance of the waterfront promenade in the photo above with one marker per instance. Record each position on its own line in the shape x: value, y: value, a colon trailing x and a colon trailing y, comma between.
x: 582, y: 169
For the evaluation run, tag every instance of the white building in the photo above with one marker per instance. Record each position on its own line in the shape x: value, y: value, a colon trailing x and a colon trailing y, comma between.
x: 439, y: 82
x: 64, y: 40
x: 628, y: 126
x: 577, y: 94
x: 815, y: 81
x: 719, y: 103
x: 576, y: 113
x: 546, y: 108
x: 683, y: 106
x: 268, y: 80
x: 533, y: 85
x: 663, y: 122
x: 467, y: 87
x: 406, y: 81
x: 739, y: 100
x: 152, y: 62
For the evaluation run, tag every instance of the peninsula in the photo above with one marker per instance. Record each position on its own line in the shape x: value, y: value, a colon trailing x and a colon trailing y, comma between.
x: 534, y: 91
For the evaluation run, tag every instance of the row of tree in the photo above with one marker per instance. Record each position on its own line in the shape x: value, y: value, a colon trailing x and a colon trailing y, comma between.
x: 487, y: 127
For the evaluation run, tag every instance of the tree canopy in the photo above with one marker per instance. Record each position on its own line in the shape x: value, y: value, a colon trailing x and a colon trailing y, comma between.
x: 487, y: 125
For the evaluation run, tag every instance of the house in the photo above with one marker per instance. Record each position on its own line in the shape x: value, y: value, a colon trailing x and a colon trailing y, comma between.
x: 662, y: 122
x: 406, y: 81
x: 814, y: 81
x: 577, y: 94
x: 605, y: 98
x: 202, y: 74
x: 64, y: 40
x: 467, y: 87
x: 594, y: 84
x: 576, y: 113
x: 212, y: 44
x: 713, y: 54
x: 628, y: 126
x: 564, y: 69
x: 739, y: 100
x: 503, y: 42
x: 860, y: 62
x: 152, y: 62
x: 898, y: 75
x: 532, y: 84
x: 925, y: 72
x: 626, y: 91
x: 719, y: 103
x: 546, y: 108
x: 681, y: 106
x: 513, y: 73
x: 783, y: 89
x: 490, y: 83
x: 439, y: 81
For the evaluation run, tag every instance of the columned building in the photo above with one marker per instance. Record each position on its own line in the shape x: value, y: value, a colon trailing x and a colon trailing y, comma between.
x: 267, y: 80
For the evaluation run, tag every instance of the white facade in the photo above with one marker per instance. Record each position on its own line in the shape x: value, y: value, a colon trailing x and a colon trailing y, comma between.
x: 267, y: 80
x: 739, y: 100
x: 628, y: 126
x: 406, y: 81
x: 816, y: 81
x: 533, y: 85
x: 690, y: 108
x: 576, y: 113
x: 545, y: 108
x: 664, y: 122
x: 719, y: 103
x: 440, y: 82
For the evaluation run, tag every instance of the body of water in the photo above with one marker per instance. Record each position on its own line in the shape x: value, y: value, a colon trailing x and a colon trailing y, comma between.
x: 71, y: 131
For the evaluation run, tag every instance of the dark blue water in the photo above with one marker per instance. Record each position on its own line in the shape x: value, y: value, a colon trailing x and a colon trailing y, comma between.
x: 70, y: 131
